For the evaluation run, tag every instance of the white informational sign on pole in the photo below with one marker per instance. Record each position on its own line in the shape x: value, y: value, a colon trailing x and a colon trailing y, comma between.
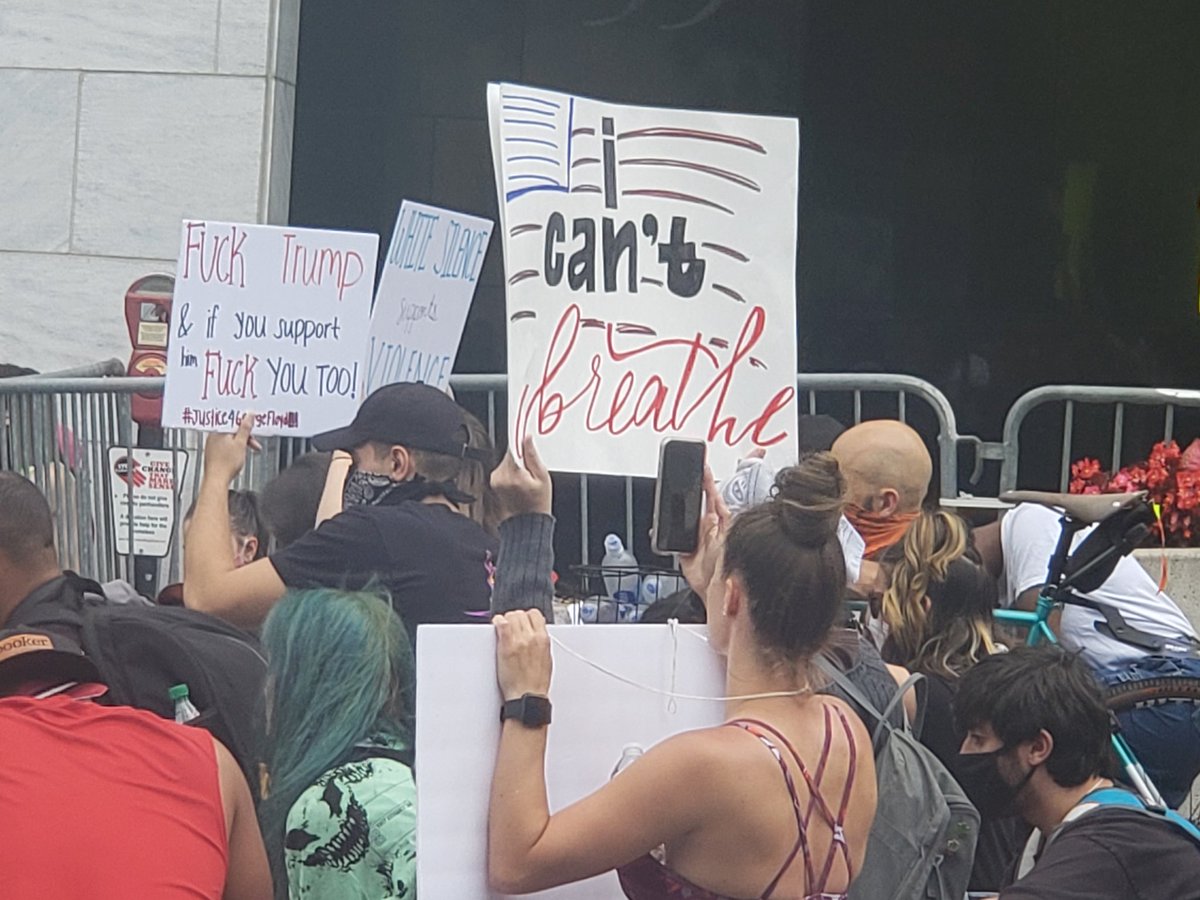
x: 269, y: 320
x: 148, y: 488
x: 425, y: 291
x: 595, y: 717
x: 650, y: 258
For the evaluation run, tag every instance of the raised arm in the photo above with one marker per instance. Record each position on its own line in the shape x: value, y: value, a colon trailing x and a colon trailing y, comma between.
x: 526, y: 560
x: 212, y: 583
x: 332, y: 494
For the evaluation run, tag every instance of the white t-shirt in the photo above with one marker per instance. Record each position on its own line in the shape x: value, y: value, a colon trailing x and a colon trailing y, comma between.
x: 1029, y: 535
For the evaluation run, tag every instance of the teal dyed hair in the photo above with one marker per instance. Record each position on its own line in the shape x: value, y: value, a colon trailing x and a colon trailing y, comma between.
x: 340, y: 669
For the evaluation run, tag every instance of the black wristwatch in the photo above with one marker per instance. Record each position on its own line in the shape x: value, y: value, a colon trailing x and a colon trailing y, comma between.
x: 531, y: 710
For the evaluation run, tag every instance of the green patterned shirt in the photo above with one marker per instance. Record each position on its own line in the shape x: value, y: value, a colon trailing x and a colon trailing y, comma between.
x: 352, y: 835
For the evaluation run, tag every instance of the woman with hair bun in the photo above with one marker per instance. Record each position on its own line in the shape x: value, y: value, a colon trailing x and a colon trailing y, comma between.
x: 777, y: 801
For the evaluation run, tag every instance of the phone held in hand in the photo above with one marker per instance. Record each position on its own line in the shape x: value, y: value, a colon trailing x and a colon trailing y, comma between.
x: 678, y: 497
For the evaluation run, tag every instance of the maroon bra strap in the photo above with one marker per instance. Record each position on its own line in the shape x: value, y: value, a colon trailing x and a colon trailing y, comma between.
x: 750, y: 726
x: 816, y: 799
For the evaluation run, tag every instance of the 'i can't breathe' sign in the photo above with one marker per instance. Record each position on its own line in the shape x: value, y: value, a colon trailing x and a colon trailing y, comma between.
x: 650, y: 257
x: 270, y: 320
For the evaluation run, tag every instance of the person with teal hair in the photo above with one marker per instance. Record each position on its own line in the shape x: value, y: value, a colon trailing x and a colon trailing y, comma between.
x: 339, y: 801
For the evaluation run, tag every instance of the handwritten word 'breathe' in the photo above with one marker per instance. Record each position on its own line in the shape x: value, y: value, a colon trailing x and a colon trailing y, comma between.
x: 611, y: 400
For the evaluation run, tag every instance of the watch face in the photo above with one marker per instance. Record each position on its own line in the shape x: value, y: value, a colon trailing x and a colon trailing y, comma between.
x: 530, y: 710
x: 536, y: 711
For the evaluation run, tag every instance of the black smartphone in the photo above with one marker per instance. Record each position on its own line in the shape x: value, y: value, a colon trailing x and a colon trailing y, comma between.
x: 678, y: 497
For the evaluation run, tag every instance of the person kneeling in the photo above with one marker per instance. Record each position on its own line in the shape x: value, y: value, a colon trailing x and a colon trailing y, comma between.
x: 1037, y: 743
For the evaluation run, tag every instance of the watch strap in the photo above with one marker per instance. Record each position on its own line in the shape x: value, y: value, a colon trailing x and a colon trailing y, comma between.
x: 531, y: 710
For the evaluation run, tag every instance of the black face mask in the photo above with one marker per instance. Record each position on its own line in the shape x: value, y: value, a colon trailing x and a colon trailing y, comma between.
x: 979, y: 775
x: 369, y: 489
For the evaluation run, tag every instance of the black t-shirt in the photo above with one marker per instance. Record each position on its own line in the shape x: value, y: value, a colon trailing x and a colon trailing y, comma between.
x: 436, y: 563
x: 1114, y: 854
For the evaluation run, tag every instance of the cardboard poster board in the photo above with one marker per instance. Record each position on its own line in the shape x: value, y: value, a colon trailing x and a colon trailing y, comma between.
x: 650, y: 261
x: 269, y: 320
x: 595, y: 717
x: 425, y: 292
x: 148, y: 487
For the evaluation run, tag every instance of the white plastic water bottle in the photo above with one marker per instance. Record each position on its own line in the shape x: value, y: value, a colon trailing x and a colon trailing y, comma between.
x: 652, y: 589
x: 622, y: 588
x: 185, y: 710
x: 629, y: 753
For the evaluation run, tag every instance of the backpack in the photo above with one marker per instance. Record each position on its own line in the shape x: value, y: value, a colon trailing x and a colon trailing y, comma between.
x: 1115, y: 796
x: 142, y: 650
x: 922, y: 842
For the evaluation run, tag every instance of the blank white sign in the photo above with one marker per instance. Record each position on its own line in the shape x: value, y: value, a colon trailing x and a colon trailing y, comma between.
x: 595, y: 716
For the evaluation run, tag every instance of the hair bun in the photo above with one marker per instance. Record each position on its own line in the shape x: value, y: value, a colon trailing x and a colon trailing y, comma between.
x: 808, y: 499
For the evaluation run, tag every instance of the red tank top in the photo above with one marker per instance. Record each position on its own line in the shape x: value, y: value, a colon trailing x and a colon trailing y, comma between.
x: 107, y: 803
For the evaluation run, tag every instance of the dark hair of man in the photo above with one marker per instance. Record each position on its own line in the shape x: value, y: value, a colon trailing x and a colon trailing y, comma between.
x: 467, y: 474
x: 26, y: 524
x: 290, y: 500
x: 1033, y: 688
x: 246, y: 521
x: 787, y: 554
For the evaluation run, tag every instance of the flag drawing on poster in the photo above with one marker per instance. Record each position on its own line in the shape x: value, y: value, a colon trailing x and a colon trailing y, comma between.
x: 269, y: 320
x: 425, y: 292
x: 650, y: 260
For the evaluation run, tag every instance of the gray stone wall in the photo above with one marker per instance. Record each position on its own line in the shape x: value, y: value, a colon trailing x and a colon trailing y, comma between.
x: 117, y: 119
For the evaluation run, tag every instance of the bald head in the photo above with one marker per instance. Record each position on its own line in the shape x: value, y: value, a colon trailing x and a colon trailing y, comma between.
x: 886, y: 466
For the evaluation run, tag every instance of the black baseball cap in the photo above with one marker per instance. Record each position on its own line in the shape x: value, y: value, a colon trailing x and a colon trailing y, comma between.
x: 413, y: 415
x: 33, y: 654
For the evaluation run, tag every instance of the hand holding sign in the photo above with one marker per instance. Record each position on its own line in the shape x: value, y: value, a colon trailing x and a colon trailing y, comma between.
x: 225, y: 454
x: 526, y: 489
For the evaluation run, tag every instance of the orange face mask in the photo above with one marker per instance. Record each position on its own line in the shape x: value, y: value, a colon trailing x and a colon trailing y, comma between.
x: 878, y: 532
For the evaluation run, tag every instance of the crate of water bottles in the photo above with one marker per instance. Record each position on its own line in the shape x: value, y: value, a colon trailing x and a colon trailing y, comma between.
x: 619, y: 589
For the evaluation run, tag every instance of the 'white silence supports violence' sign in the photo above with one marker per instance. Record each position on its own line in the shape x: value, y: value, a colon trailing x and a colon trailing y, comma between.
x: 269, y: 320
x: 425, y: 292
x: 650, y: 258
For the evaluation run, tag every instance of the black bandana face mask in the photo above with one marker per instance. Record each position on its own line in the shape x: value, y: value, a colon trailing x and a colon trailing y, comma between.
x: 366, y: 488
x: 979, y: 775
x: 369, y: 489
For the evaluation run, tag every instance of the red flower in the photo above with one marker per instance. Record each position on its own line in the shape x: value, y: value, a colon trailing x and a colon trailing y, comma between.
x: 1087, y: 477
x: 1171, y: 479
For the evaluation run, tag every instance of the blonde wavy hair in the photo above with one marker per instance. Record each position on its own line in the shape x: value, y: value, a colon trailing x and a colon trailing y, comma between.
x: 938, y: 605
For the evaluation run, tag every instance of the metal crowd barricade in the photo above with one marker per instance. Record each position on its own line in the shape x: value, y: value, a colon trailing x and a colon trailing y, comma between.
x: 1076, y: 400
x: 850, y: 397
x: 58, y: 432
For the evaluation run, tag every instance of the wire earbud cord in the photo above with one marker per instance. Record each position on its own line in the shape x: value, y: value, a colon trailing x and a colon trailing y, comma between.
x: 674, y: 657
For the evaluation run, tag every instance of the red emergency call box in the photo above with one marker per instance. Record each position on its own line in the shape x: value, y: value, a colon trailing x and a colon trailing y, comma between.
x: 148, y: 316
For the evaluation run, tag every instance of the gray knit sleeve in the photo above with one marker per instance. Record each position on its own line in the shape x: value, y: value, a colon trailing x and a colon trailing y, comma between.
x: 524, y: 565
